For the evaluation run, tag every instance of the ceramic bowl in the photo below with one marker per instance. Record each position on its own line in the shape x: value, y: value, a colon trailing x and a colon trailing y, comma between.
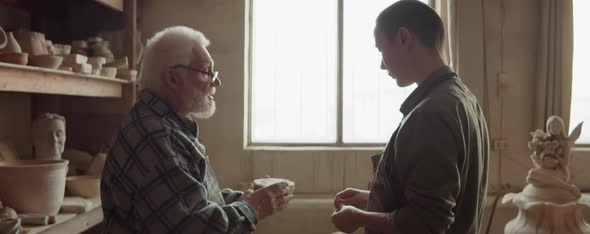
x: 83, y: 186
x: 14, y: 58
x: 62, y: 49
x: 47, y: 61
x: 109, y: 72
x: 263, y: 182
x: 127, y: 74
x: 33, y: 186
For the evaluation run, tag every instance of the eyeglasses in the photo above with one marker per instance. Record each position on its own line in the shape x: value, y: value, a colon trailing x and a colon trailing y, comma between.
x: 214, y: 75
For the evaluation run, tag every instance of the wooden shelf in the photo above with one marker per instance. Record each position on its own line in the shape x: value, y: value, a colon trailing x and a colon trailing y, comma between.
x: 70, y: 223
x: 113, y: 4
x: 18, y: 78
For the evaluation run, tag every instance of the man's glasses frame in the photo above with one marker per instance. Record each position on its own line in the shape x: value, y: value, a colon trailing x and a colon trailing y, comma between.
x: 214, y: 75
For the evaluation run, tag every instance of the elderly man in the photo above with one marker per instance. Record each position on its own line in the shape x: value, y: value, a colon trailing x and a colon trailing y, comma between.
x: 432, y: 177
x: 157, y: 177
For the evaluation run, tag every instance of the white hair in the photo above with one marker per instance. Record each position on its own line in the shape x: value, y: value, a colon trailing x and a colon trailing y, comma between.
x: 171, y: 46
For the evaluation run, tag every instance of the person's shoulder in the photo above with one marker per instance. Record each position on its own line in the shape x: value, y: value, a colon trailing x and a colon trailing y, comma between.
x: 450, y: 94
x: 143, y: 121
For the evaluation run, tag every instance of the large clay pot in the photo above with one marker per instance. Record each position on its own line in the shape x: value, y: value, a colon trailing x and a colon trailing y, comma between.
x: 32, y: 43
x: 12, y: 45
x: 3, y: 38
x: 33, y: 186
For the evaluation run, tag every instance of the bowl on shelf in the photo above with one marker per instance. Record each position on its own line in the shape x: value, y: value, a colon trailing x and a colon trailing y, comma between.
x: 127, y: 74
x: 61, y: 49
x: 109, y: 72
x: 47, y: 61
x: 86, y: 186
x: 33, y: 186
x: 14, y: 58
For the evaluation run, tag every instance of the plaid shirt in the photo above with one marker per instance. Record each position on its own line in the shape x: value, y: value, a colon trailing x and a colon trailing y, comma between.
x: 157, y: 178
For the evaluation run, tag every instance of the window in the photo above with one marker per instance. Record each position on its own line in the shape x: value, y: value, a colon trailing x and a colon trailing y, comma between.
x: 316, y: 77
x: 580, y: 73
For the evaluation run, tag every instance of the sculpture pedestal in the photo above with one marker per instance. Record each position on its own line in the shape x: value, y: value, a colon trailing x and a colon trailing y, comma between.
x: 547, y: 217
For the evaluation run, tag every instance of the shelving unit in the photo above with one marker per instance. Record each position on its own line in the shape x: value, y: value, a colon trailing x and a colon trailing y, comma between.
x: 18, y: 78
x: 93, y: 105
x: 113, y: 4
x: 70, y: 222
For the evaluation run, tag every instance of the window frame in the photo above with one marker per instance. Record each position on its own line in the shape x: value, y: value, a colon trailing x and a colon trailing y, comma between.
x: 578, y: 147
x: 339, y: 144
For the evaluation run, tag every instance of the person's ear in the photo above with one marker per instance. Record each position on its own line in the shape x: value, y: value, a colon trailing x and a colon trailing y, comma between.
x: 171, y: 79
x: 406, y: 38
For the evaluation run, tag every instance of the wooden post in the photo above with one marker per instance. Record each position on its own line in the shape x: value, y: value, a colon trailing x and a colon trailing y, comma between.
x: 130, y: 8
x: 130, y: 31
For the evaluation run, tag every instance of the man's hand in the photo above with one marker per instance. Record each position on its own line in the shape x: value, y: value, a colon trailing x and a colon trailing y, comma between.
x: 247, y: 193
x: 346, y: 219
x: 352, y: 197
x: 268, y: 200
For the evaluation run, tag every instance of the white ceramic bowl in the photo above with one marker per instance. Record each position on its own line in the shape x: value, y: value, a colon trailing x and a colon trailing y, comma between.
x: 110, y: 72
x: 47, y: 61
x: 263, y: 182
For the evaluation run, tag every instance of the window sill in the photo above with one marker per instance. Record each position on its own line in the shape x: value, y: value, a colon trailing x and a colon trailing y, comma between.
x: 581, y: 148
x: 312, y: 148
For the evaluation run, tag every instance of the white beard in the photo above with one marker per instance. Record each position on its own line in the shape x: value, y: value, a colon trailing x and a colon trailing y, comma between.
x: 206, y: 111
x: 203, y: 109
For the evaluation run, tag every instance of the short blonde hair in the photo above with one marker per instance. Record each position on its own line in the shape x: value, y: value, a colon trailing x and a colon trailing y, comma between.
x: 171, y: 46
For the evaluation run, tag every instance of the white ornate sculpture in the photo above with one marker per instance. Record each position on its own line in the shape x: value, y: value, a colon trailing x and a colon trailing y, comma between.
x: 549, y: 203
x: 49, y: 136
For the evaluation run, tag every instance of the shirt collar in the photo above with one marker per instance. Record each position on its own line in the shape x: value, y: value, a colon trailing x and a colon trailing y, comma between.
x: 162, y: 108
x: 424, y: 88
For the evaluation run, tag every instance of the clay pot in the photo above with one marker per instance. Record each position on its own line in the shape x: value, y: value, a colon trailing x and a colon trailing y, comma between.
x: 79, y: 160
x: 12, y: 45
x: 32, y: 43
x: 97, y: 164
x: 3, y: 38
x: 47, y: 61
x: 83, y: 186
x: 14, y: 58
x: 33, y: 186
x: 109, y: 72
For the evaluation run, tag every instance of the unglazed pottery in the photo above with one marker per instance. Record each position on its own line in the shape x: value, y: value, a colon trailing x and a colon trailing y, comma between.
x: 33, y: 186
